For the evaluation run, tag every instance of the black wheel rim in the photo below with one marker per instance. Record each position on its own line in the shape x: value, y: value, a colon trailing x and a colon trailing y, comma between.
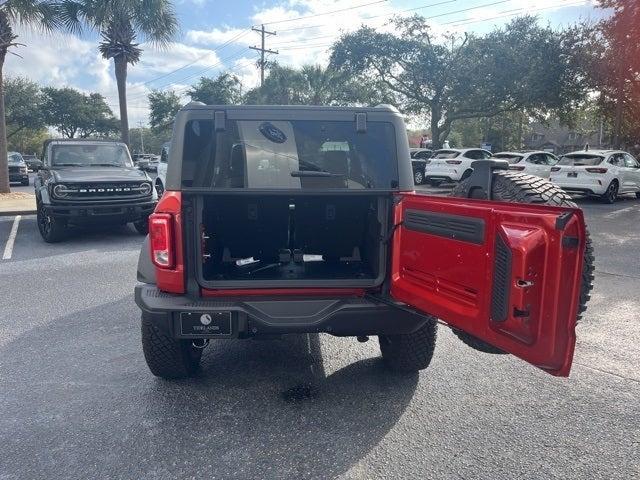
x: 159, y: 190
x: 418, y: 177
x: 613, y: 191
x: 44, y: 222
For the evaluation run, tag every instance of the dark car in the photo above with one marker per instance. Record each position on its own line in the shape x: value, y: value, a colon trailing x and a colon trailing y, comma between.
x: 419, y: 163
x: 298, y: 219
x: 18, y: 170
x: 90, y: 181
x: 33, y: 162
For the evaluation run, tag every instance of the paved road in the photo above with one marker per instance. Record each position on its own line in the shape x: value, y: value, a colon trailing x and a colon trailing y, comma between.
x: 77, y: 401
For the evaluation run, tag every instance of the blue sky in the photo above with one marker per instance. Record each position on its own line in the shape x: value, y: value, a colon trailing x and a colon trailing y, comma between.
x: 203, y: 46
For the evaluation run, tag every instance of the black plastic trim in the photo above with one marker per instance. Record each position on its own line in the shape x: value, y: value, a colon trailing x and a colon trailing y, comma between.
x: 501, y: 281
x: 341, y: 316
x: 455, y: 227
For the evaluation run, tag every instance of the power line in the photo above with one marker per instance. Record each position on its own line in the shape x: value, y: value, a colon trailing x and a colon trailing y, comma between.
x: 326, y: 13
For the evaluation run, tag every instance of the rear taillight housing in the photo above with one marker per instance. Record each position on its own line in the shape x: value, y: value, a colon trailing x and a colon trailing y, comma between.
x: 516, y: 167
x: 161, y: 240
x: 596, y: 170
x: 555, y: 169
x: 454, y: 162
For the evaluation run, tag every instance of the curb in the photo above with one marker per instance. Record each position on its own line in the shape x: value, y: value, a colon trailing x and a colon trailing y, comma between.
x: 17, y: 212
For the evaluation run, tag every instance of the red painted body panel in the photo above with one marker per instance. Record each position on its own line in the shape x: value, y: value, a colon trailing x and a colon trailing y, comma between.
x: 452, y: 279
x: 172, y: 280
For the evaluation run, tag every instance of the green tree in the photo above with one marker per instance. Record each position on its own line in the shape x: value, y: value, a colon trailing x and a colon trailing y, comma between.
x: 314, y: 85
x: 73, y: 113
x: 23, y: 106
x: 163, y: 107
x: 613, y: 63
x: 120, y: 23
x: 225, y: 89
x: 153, y: 140
x: 28, y: 140
x: 521, y: 67
x: 43, y: 15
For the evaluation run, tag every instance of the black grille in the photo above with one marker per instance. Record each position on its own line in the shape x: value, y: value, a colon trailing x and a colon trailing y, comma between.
x: 14, y: 169
x: 501, y: 280
x: 90, y: 191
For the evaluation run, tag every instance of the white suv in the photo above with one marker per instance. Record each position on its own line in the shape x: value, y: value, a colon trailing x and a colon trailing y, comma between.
x: 605, y: 173
x: 453, y: 164
x: 536, y: 163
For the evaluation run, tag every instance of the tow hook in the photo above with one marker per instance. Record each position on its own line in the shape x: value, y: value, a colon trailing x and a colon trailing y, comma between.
x: 363, y: 338
x: 200, y: 343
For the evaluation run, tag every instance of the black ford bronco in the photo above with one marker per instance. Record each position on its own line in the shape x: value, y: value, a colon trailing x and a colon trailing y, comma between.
x: 304, y: 219
x: 90, y: 181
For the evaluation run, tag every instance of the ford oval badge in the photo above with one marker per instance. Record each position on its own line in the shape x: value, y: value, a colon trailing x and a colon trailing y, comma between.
x: 272, y: 133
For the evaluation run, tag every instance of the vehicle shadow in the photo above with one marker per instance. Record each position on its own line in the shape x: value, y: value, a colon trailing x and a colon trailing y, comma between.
x: 257, y: 409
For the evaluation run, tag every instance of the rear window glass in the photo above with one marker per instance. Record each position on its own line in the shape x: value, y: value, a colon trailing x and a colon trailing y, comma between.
x: 512, y: 159
x: 446, y: 154
x: 580, y: 160
x: 289, y: 154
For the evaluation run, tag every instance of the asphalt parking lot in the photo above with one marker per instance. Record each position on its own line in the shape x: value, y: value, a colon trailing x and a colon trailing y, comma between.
x: 77, y: 400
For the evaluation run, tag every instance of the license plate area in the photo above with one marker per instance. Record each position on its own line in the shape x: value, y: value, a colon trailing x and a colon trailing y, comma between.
x: 572, y: 174
x: 205, y: 324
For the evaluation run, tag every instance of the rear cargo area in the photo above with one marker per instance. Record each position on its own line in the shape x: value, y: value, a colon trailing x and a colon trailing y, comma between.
x: 284, y: 240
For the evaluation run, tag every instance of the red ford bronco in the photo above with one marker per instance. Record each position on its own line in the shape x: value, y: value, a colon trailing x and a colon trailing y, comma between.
x: 304, y: 219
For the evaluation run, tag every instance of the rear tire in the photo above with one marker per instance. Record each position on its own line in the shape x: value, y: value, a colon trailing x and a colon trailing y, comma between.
x: 168, y: 357
x: 410, y: 352
x: 159, y: 188
x: 523, y: 188
x: 611, y: 195
x: 418, y: 178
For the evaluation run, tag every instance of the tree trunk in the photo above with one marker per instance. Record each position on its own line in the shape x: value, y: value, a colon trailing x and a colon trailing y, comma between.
x: 619, y: 113
x: 4, y: 164
x: 436, y: 116
x: 121, y: 78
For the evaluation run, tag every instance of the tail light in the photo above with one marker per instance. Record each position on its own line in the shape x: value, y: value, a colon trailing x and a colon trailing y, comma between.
x: 165, y: 243
x: 454, y: 162
x: 161, y: 240
x: 555, y: 169
x: 516, y: 167
x: 596, y: 170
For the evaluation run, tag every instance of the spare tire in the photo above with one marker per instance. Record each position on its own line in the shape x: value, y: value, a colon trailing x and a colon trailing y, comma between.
x: 517, y: 187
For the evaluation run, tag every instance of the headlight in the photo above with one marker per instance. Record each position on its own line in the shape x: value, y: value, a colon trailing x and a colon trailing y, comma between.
x: 145, y: 188
x: 60, y: 190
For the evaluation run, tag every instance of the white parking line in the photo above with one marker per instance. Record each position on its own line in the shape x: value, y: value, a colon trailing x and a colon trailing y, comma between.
x: 622, y: 211
x: 8, y: 248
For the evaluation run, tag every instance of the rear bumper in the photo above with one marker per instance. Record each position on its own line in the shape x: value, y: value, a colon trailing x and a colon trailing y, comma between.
x: 341, y: 316
x: 103, y: 212
x: 588, y: 187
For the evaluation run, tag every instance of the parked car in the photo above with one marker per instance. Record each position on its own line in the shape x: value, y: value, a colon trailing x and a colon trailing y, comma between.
x: 602, y: 173
x: 152, y: 164
x: 419, y: 163
x: 536, y: 163
x: 453, y: 164
x: 90, y: 181
x: 18, y: 170
x: 33, y: 162
x: 161, y: 178
x: 423, y: 153
x: 265, y: 227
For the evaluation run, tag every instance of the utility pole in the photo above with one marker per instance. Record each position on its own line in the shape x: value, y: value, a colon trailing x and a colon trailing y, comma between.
x: 263, y: 33
x: 141, y: 137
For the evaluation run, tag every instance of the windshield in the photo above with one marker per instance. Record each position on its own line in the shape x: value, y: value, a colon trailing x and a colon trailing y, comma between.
x: 289, y: 154
x: 512, y: 159
x: 580, y: 160
x: 14, y: 158
x: 103, y: 155
x: 446, y: 154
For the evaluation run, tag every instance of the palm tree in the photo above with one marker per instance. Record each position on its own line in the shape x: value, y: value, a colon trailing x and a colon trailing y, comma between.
x: 120, y: 22
x: 38, y: 14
